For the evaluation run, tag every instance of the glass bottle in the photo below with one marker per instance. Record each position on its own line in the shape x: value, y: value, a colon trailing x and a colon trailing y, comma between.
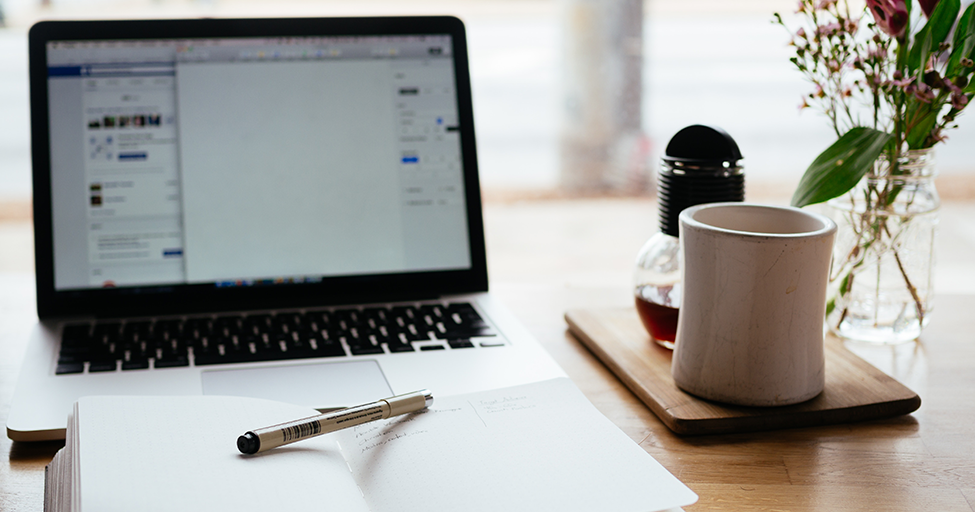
x: 700, y: 165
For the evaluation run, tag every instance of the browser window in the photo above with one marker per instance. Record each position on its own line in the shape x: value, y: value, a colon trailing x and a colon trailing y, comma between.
x: 254, y: 161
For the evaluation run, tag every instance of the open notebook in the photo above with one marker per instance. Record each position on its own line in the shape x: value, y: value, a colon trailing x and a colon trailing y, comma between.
x: 539, y: 446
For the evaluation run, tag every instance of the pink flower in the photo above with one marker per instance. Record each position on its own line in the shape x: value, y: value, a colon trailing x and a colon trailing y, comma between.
x: 890, y: 15
x: 928, y: 6
x: 951, y: 86
x: 828, y: 29
x: 901, y: 82
x: 958, y: 100
x: 924, y: 93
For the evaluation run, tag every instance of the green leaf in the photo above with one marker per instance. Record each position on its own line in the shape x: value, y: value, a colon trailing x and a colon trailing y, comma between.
x: 970, y: 89
x: 836, y: 170
x: 942, y: 19
x: 919, y: 51
x: 964, y: 41
x: 919, y: 133
x: 933, y: 33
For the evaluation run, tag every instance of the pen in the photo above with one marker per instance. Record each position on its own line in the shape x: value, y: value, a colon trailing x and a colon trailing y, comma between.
x: 264, y: 439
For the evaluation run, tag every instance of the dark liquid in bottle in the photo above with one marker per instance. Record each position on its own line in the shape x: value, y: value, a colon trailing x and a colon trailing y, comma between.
x: 660, y: 321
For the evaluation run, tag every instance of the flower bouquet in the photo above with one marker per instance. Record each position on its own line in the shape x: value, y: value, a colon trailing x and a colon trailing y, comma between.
x: 890, y: 92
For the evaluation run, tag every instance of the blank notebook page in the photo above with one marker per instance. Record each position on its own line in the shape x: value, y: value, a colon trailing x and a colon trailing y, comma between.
x: 180, y: 453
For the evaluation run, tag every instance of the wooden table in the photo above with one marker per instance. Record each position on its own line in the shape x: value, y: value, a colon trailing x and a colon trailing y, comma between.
x: 925, y: 461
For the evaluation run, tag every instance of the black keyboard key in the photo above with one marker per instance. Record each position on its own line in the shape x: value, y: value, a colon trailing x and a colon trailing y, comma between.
x: 72, y: 358
x: 172, y: 362
x: 363, y: 345
x: 312, y: 322
x: 74, y: 348
x: 460, y: 343
x: 322, y: 347
x: 77, y: 342
x: 105, y: 353
x: 135, y: 364
x: 227, y: 325
x: 102, y: 366
x: 170, y: 348
x: 415, y: 333
x: 67, y: 368
x: 351, y: 317
x: 238, y: 357
x: 220, y: 351
x: 235, y: 350
x: 169, y: 328
x: 434, y: 311
x: 381, y: 316
x: 465, y: 332
x: 365, y: 349
x: 396, y: 347
x: 135, y: 331
x: 196, y: 328
x: 403, y: 315
x: 431, y: 347
x: 462, y: 321
x: 208, y: 359
x: 292, y: 320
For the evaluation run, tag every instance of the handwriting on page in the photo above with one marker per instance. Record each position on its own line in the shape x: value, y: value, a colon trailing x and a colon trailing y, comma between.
x: 371, y: 436
x: 374, y: 435
x: 506, y: 404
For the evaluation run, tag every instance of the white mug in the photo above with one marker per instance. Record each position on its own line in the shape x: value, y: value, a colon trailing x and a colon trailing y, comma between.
x: 750, y: 330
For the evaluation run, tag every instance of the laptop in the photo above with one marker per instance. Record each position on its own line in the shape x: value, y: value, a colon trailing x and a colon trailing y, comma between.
x: 279, y: 208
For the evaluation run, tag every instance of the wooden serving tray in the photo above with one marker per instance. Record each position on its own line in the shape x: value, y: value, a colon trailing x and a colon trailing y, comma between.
x: 855, y: 390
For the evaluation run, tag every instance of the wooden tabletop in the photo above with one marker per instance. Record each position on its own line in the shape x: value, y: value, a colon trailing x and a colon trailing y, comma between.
x: 925, y: 461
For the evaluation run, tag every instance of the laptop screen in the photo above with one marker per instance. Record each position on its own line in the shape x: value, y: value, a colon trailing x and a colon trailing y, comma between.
x: 243, y: 161
x: 229, y: 154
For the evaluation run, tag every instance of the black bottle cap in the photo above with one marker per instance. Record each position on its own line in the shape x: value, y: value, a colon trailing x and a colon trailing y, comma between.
x: 700, y: 166
x: 699, y: 145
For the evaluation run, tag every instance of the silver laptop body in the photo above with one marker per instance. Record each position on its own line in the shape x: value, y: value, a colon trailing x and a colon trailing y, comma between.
x: 280, y: 208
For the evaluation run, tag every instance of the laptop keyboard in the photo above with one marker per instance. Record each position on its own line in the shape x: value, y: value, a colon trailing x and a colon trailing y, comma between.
x: 167, y: 343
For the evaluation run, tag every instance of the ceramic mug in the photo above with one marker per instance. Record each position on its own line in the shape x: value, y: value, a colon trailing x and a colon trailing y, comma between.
x: 750, y: 330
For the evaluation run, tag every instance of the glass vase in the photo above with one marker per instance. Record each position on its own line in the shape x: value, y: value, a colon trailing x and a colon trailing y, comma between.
x: 883, y: 259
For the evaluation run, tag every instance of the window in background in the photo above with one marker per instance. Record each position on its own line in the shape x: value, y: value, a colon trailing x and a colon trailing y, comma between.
x: 703, y: 61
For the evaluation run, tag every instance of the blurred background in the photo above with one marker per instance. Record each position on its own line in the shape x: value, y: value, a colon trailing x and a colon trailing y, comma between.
x: 574, y: 102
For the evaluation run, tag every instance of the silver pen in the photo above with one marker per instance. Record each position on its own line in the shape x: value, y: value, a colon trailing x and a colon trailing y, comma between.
x: 263, y: 439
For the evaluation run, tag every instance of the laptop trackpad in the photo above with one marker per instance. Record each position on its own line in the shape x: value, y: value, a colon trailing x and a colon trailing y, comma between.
x: 326, y: 385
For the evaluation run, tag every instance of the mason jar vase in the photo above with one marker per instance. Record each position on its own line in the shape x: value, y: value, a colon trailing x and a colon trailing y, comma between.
x: 881, y: 279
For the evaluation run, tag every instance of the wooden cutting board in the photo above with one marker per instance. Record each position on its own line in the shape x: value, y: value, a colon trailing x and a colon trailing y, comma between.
x: 855, y: 390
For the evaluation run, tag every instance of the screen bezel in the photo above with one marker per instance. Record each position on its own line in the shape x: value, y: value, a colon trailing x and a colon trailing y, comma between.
x: 198, y: 298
